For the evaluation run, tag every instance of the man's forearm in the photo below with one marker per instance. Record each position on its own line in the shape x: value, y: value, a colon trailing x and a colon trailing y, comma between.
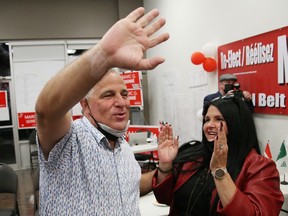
x: 146, y: 183
x: 63, y: 92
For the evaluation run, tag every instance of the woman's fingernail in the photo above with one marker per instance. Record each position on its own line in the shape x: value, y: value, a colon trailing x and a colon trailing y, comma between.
x: 221, y: 126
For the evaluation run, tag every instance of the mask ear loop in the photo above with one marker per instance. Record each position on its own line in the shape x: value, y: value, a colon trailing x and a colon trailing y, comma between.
x: 90, y: 114
x: 105, y: 133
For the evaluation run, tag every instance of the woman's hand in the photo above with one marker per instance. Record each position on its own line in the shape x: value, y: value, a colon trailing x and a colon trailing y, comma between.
x: 220, y: 153
x: 167, y: 145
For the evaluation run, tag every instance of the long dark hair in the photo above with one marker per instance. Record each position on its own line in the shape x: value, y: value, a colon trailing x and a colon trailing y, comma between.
x: 242, y: 136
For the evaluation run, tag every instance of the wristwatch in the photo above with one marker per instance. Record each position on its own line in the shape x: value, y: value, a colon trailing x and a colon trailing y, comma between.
x: 219, y: 173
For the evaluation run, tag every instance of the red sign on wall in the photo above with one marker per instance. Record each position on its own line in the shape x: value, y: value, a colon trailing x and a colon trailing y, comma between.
x: 136, y: 97
x: 132, y: 79
x: 26, y: 120
x: 3, y: 99
x: 133, y: 84
x: 261, y: 66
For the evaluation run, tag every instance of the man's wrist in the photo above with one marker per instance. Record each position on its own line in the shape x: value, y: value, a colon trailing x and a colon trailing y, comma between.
x: 99, y: 64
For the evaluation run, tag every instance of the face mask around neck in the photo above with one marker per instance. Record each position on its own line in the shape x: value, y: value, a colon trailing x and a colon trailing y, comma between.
x: 116, y: 133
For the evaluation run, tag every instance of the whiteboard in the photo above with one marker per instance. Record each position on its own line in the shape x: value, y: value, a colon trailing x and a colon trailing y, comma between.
x: 30, y: 78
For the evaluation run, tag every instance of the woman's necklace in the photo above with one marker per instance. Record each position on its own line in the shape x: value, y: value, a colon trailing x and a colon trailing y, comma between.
x: 189, y: 209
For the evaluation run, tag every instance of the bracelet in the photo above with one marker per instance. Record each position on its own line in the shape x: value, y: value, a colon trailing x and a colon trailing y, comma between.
x: 163, y: 171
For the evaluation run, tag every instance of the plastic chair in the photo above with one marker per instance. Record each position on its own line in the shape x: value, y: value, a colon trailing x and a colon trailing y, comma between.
x: 9, y: 184
x: 33, y: 151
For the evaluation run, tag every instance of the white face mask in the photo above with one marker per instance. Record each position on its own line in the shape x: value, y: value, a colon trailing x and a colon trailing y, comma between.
x: 114, y: 132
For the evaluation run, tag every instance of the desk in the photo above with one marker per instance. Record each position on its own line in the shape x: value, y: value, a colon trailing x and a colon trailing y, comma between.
x: 147, y: 208
x: 144, y: 148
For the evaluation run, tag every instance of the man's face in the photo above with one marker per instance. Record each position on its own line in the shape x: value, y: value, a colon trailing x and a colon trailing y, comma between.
x: 109, y: 103
x: 229, y: 85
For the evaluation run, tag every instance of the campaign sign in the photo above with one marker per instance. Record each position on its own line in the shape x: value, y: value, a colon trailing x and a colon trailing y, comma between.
x: 132, y: 79
x: 26, y: 120
x: 261, y: 66
x: 136, y: 97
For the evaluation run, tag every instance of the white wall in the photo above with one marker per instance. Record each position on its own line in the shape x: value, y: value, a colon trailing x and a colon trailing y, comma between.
x: 33, y: 19
x: 191, y: 25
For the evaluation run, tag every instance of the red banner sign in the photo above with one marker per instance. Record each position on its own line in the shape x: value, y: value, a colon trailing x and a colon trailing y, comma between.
x: 132, y: 79
x: 136, y: 97
x: 261, y: 66
x: 3, y: 99
x: 27, y: 120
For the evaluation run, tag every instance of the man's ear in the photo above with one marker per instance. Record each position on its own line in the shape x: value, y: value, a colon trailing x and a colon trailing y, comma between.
x: 84, y: 104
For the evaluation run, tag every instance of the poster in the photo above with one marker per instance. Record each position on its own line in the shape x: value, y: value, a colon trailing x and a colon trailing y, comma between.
x: 132, y: 80
x: 27, y: 120
x: 261, y: 66
x: 4, y: 109
x: 136, y: 97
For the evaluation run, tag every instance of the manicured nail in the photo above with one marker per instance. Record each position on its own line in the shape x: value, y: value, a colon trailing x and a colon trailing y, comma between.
x: 221, y: 126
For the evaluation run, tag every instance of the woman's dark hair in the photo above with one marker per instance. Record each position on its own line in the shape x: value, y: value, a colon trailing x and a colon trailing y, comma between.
x: 189, y: 151
x: 241, y: 136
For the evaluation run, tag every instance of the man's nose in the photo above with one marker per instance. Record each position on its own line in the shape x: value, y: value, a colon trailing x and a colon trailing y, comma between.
x: 119, y: 100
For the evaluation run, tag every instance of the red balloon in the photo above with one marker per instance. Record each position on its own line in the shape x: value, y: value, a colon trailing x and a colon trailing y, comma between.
x: 197, y: 58
x: 209, y: 64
